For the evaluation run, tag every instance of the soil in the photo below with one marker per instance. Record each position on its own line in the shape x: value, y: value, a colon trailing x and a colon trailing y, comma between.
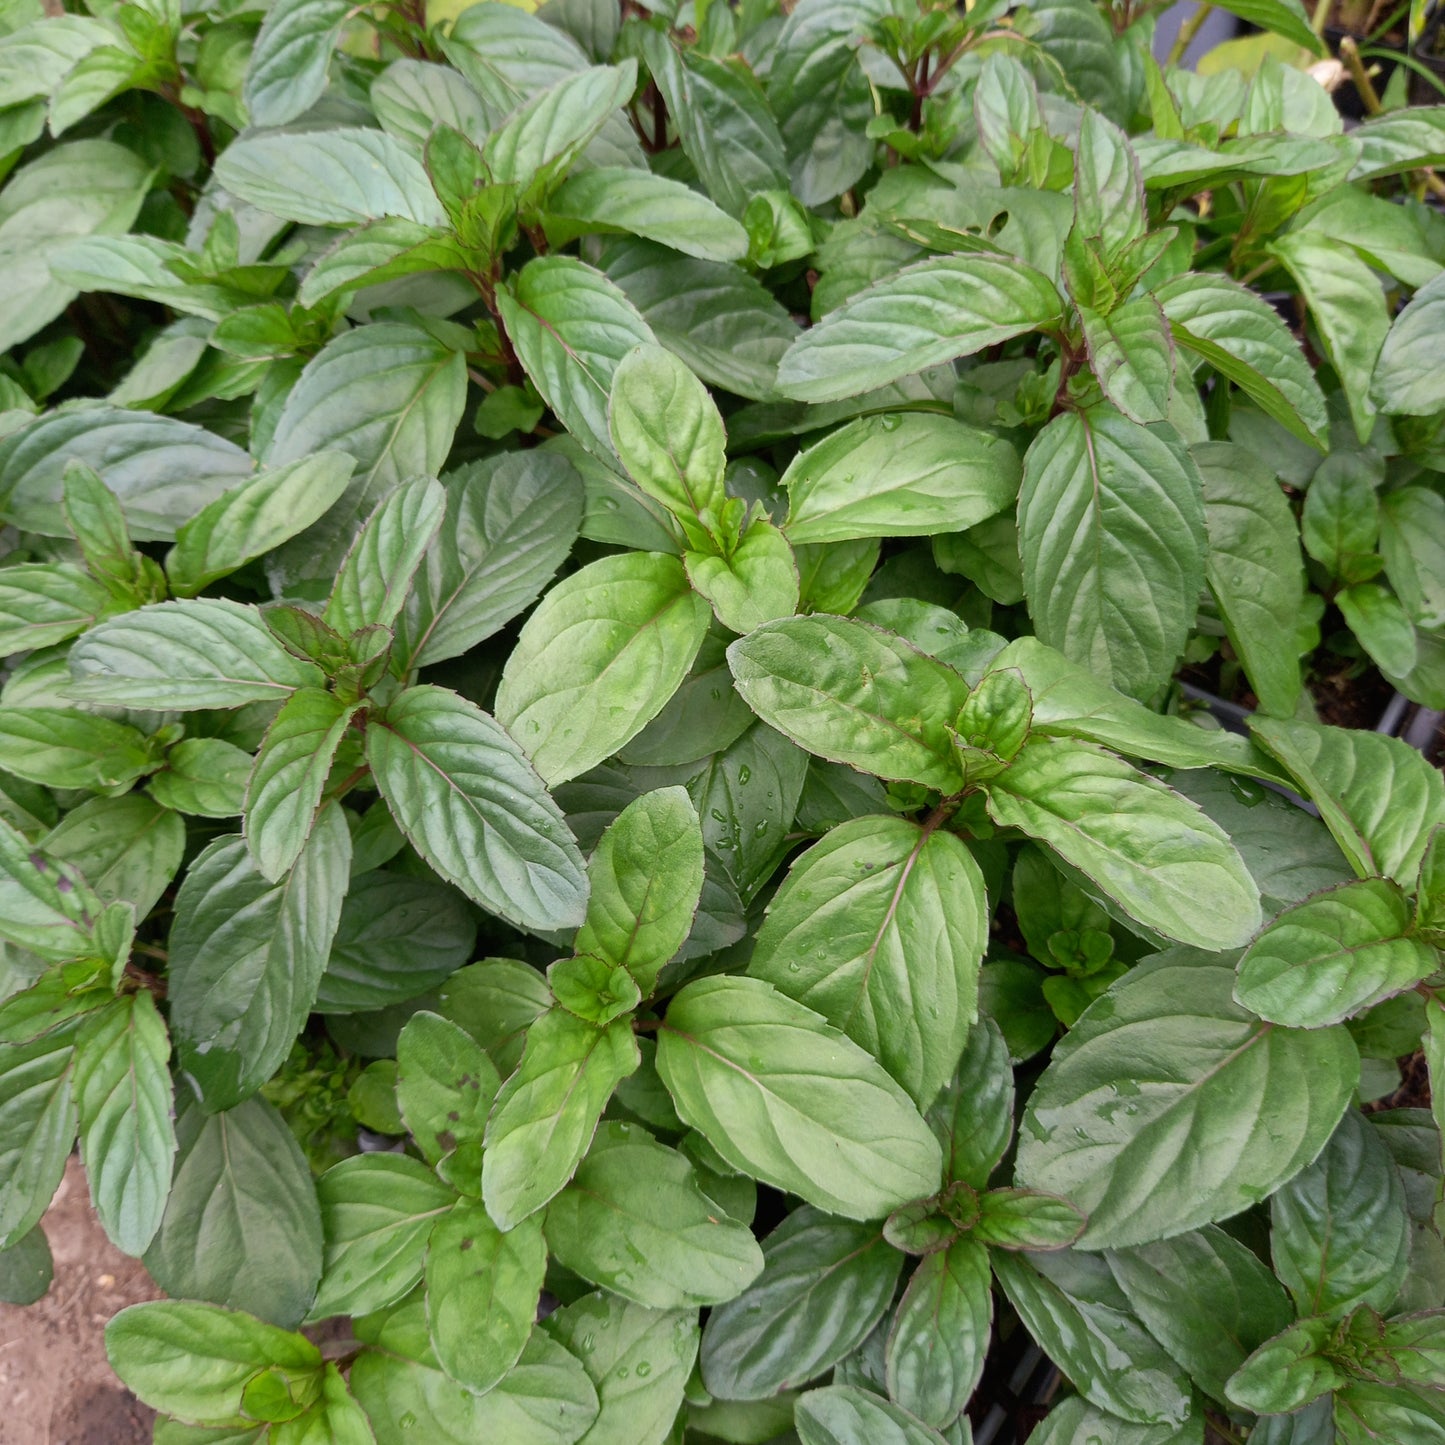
x: 55, y: 1383
x: 1414, y: 1090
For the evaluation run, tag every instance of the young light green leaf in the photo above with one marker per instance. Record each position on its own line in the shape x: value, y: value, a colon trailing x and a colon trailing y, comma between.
x: 1108, y: 190
x: 639, y: 203
x: 1025, y: 1219
x: 481, y: 1293
x: 1288, y: 1372
x: 898, y: 475
x: 202, y: 653
x: 940, y: 1333
x: 1075, y: 1419
x: 1218, y: 1070
x: 1112, y: 535
x: 571, y: 706
x: 757, y: 583
x: 290, y: 772
x: 1339, y: 1230
x: 646, y: 877
x: 1241, y: 337
x: 377, y: 1211
x: 825, y: 1284
x: 246, y: 956
x: 633, y: 1199
x: 571, y: 328
x: 510, y: 522
x: 926, y: 314
x: 339, y: 177
x: 445, y: 1086
x: 847, y: 1415
x: 1377, y: 795
x: 123, y: 1097
x: 241, y: 1227
x: 1254, y: 569
x: 203, y: 777
x: 787, y: 1098
x: 668, y: 434
x: 195, y: 1360
x: 546, y: 1113
x: 1334, y: 955
x: 251, y: 520
x: 854, y: 694
x: 1131, y: 353
x: 1150, y: 849
x: 289, y: 63
x: 880, y: 928
x: 470, y: 803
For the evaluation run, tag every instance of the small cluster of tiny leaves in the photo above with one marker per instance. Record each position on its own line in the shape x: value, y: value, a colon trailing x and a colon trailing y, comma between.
x: 599, y: 595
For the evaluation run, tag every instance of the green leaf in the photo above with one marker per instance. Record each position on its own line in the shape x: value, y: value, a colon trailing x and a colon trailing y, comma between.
x: 411, y: 96
x: 646, y: 877
x: 37, y: 1127
x: 1112, y: 535
x: 854, y: 694
x: 1241, y: 337
x: 1215, y: 1071
x: 547, y: 1399
x: 254, y: 518
x: 1286, y: 18
x: 204, y: 777
x: 1348, y: 308
x: 846, y: 1415
x: 246, y: 956
x: 201, y: 653
x: 385, y: 250
x: 1377, y: 795
x: 398, y: 938
x: 1167, y: 864
x: 64, y: 748
x: 1025, y: 1219
x: 445, y: 1086
x: 162, y: 470
x: 241, y: 1226
x: 389, y: 394
x: 289, y: 63
x: 940, y: 1333
x: 471, y: 805
x: 291, y: 768
x: 790, y: 1100
x: 1131, y: 353
x: 1366, y: 1412
x: 376, y: 574
x: 1108, y: 191
x: 81, y: 188
x: 377, y: 1211
x: 547, y: 1111
x: 481, y: 1293
x: 974, y: 1115
x: 26, y: 1269
x: 1288, y: 1371
x: 667, y: 432
x: 123, y: 1096
x: 722, y: 121
x: 95, y: 518
x: 640, y: 1361
x: 1412, y: 540
x: 571, y: 327
x: 926, y: 314
x: 623, y: 199
x: 1208, y: 1299
x: 1075, y: 1420
x: 43, y: 603
x: 598, y: 659
x: 496, y: 1001
x: 633, y: 1200
x: 510, y: 522
x: 339, y: 177
x: 719, y: 319
x: 1334, y: 955
x: 1339, y: 1231
x: 1081, y: 1318
x: 825, y: 1284
x: 898, y: 475
x: 44, y: 907
x: 1405, y: 382
x: 1254, y: 569
x: 195, y: 1360
x: 1400, y: 141
x: 757, y: 583
x: 880, y: 928
x: 128, y: 849
x: 334, y: 1419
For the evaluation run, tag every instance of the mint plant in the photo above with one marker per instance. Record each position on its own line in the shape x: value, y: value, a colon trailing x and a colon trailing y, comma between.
x: 597, y: 788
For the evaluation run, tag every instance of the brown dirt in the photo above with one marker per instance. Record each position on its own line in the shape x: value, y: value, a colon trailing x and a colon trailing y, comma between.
x: 56, y: 1387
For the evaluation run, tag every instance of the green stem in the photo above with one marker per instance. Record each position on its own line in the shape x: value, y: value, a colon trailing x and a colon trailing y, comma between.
x: 1188, y: 31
